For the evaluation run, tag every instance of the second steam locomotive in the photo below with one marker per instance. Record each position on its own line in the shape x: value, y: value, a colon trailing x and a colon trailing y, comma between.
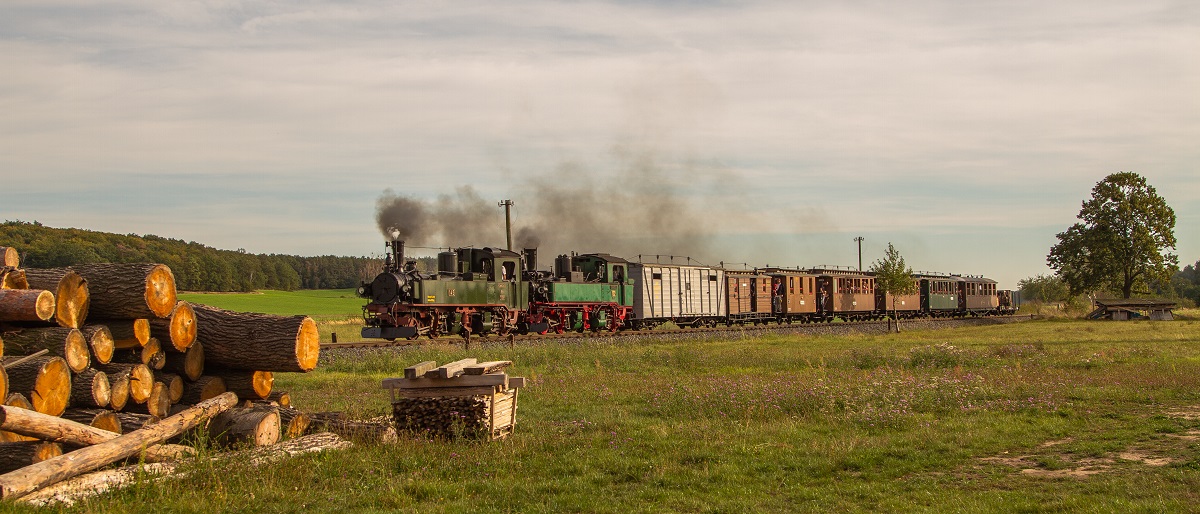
x: 492, y: 291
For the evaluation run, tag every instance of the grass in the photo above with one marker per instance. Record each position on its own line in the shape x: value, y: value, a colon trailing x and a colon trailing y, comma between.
x: 321, y: 304
x: 982, y: 419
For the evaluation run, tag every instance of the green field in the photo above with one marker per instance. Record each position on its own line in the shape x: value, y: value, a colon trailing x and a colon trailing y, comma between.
x: 1042, y: 416
x: 321, y: 304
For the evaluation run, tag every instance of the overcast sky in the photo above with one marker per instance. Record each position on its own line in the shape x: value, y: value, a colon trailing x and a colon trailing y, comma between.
x: 966, y: 133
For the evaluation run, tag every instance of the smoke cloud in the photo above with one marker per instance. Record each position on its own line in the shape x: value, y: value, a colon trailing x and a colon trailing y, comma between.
x: 461, y: 219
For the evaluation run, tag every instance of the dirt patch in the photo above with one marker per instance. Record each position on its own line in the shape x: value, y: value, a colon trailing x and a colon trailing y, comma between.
x: 1189, y: 413
x: 1146, y: 459
x: 1048, y: 444
x: 1191, y: 435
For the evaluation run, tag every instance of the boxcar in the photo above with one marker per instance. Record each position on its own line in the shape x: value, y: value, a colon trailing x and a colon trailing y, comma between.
x: 686, y: 295
x: 793, y: 294
x: 849, y: 295
x: 748, y: 297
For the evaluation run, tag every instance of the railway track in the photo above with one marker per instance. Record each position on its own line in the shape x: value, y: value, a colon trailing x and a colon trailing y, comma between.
x: 870, y: 327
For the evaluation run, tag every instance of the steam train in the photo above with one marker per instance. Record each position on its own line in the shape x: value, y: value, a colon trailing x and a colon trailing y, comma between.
x: 493, y: 291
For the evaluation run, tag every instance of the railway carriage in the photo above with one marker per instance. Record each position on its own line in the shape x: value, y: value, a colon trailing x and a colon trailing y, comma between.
x: 977, y: 295
x: 905, y: 306
x: 794, y: 295
x: 845, y: 294
x: 687, y: 295
x: 748, y: 297
x: 939, y: 295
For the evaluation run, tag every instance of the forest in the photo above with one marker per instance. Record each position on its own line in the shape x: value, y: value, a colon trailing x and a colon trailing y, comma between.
x: 196, y: 267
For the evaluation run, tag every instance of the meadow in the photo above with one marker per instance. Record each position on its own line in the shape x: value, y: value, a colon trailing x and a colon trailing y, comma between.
x: 1040, y: 416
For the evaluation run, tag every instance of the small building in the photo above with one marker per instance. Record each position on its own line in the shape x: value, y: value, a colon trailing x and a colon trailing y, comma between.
x: 1126, y: 309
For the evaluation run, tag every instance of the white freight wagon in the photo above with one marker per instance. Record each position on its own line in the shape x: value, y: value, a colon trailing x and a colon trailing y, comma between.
x: 687, y: 295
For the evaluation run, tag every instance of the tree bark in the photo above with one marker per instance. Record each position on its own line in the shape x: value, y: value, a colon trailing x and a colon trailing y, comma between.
x: 141, y: 380
x: 64, y: 342
x: 31, y: 478
x: 173, y: 382
x: 202, y: 389
x: 71, y: 296
x: 45, y: 380
x: 257, y: 425
x: 26, y: 305
x: 13, y: 278
x: 189, y: 364
x: 14, y: 456
x: 100, y: 341
x: 295, y: 423
x: 128, y: 333
x: 251, y: 341
x: 90, y: 388
x: 249, y: 385
x: 179, y: 329
x: 130, y: 290
x: 131, y: 421
x: 103, y: 419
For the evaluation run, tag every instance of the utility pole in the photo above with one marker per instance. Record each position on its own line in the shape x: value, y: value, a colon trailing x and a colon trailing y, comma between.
x: 860, y: 240
x: 507, y: 204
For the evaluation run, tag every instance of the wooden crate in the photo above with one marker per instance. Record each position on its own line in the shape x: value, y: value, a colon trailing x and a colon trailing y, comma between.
x: 480, y: 405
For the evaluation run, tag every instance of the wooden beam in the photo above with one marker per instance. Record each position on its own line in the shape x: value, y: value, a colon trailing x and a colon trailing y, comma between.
x: 452, y: 369
x: 484, y: 368
x: 462, y: 381
x: 419, y: 370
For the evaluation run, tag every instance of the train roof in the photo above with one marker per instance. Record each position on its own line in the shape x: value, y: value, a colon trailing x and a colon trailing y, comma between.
x: 606, y: 257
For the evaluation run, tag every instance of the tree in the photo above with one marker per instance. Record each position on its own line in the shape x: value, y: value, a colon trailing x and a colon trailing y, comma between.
x: 1120, y: 242
x: 893, y: 277
x: 1043, y: 288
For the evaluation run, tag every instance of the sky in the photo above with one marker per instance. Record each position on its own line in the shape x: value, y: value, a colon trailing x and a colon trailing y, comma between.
x: 766, y: 133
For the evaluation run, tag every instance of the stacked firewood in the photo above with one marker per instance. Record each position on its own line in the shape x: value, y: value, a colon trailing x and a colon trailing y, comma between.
x: 464, y: 398
x: 110, y: 346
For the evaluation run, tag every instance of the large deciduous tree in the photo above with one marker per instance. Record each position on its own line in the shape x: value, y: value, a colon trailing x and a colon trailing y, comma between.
x: 1120, y: 242
x: 893, y: 277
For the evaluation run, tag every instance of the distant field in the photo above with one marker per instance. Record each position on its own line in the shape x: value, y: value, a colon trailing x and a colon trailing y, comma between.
x: 320, y: 304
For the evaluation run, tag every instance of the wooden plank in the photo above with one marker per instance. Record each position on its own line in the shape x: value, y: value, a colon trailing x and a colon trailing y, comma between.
x: 500, y: 379
x: 419, y: 370
x: 441, y: 392
x: 516, y: 382
x: 451, y: 369
x: 484, y: 368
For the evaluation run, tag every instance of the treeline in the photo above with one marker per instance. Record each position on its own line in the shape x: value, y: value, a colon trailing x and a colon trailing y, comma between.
x: 196, y: 267
x: 1184, y: 286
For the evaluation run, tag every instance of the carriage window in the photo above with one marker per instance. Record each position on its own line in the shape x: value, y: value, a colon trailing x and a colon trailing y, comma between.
x: 656, y: 276
x: 509, y: 270
x: 712, y: 278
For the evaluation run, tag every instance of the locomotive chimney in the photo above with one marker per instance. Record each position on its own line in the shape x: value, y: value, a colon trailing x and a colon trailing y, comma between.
x: 530, y: 259
x: 398, y: 253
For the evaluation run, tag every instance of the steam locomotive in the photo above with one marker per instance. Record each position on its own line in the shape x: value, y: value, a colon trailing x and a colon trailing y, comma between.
x: 493, y: 291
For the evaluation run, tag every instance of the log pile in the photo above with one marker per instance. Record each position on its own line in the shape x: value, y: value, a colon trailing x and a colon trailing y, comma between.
x: 460, y: 399
x: 110, y: 347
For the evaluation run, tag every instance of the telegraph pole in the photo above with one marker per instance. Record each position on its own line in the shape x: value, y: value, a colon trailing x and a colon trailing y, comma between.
x: 507, y: 204
x: 860, y: 240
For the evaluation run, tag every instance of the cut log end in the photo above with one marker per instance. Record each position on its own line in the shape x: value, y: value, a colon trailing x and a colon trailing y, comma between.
x: 160, y: 291
x: 76, y: 351
x: 308, y: 345
x: 100, y: 341
x: 72, y: 301
x: 10, y: 257
x: 182, y: 326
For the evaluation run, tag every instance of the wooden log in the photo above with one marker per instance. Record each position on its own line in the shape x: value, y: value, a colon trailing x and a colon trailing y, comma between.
x: 258, y: 426
x: 13, y: 278
x: 355, y: 430
x: 250, y: 341
x: 26, y: 305
x: 153, y: 355
x: 484, y: 368
x: 248, y: 385
x: 118, y: 387
x: 14, y: 456
x: 281, y: 398
x: 71, y: 296
x: 45, y: 380
x: 202, y: 389
x: 31, y: 478
x: 179, y: 328
x: 130, y: 290
x: 16, y: 400
x: 9, y: 257
x: 100, y: 342
x: 3, y: 383
x: 128, y: 333
x: 141, y: 379
x: 419, y: 370
x: 64, y: 342
x: 189, y: 364
x: 158, y: 404
x: 103, y: 419
x: 66, y: 431
x: 295, y: 423
x: 174, y: 384
x: 131, y: 421
x: 90, y: 388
